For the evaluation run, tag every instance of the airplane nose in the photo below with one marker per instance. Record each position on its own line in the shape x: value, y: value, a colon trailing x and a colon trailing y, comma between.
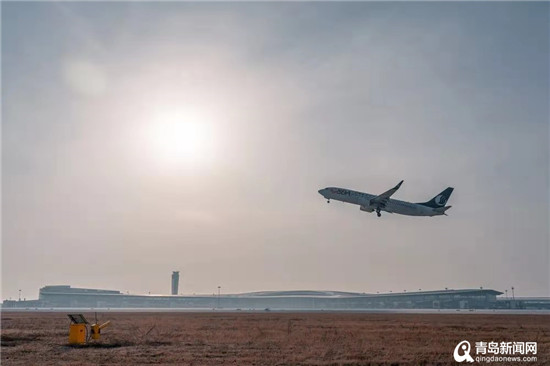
x: 321, y: 192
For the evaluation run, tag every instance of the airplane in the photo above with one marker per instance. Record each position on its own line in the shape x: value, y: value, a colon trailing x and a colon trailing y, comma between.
x: 371, y: 203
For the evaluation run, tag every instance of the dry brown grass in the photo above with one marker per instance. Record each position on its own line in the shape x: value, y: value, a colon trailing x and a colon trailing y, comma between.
x: 34, y: 338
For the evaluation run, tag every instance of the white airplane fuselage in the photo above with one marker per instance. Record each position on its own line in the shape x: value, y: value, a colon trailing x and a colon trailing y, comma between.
x: 391, y: 206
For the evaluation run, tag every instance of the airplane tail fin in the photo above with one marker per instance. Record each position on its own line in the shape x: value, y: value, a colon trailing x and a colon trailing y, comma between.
x: 440, y: 200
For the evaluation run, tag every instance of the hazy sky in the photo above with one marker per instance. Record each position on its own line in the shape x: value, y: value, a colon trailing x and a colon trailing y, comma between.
x: 141, y: 138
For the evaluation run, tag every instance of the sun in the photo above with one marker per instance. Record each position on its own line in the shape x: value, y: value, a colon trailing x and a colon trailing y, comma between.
x: 181, y: 137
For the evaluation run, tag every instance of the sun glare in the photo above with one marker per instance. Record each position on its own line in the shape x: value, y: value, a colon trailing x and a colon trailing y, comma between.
x: 181, y: 137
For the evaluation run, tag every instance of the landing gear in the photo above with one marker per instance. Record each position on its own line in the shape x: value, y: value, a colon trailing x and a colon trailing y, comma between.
x: 328, y: 201
x: 378, y: 212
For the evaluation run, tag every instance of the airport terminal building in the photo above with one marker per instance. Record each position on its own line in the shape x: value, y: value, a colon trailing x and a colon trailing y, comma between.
x: 65, y: 296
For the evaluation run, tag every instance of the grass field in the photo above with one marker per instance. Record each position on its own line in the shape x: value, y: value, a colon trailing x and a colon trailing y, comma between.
x: 270, y: 338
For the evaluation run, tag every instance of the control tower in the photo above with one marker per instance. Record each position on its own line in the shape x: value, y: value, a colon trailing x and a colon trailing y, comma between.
x: 175, y: 282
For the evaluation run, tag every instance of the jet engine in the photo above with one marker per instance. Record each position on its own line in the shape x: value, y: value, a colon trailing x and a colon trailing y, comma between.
x: 366, y: 208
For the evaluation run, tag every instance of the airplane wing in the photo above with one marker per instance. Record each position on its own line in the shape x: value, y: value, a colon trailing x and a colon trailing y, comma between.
x: 382, y: 199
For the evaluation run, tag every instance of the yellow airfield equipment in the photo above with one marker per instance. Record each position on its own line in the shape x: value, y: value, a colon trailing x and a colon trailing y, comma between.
x: 80, y: 330
x: 96, y: 329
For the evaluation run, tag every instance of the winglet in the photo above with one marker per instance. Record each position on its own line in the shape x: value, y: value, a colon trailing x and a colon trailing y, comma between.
x: 398, y: 185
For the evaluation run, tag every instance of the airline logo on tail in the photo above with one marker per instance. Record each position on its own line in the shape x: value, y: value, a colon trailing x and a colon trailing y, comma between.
x: 441, y: 200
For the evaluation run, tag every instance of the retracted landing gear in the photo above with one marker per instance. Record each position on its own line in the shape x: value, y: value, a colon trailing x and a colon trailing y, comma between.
x: 378, y: 212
